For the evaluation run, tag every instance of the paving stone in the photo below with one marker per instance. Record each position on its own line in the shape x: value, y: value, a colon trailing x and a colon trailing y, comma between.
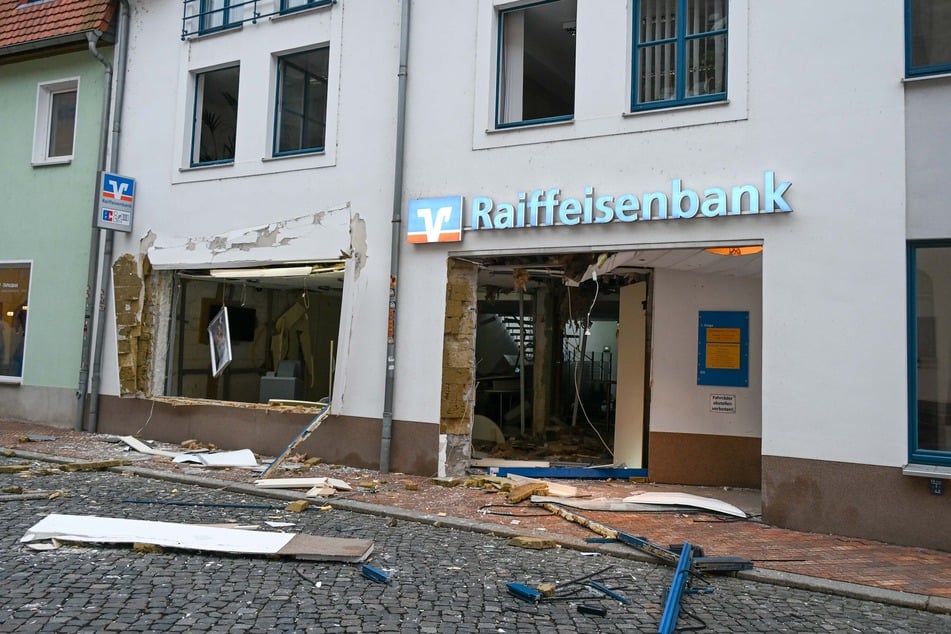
x: 443, y: 580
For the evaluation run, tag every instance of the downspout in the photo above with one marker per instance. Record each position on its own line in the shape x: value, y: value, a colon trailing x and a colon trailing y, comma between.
x: 93, y: 270
x: 395, y: 244
x: 104, y: 265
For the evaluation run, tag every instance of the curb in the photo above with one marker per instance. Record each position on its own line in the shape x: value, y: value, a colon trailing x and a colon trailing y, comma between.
x: 924, y: 602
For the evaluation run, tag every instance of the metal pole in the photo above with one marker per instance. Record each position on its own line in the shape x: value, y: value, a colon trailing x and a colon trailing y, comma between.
x: 386, y: 435
x: 521, y: 357
x: 110, y: 235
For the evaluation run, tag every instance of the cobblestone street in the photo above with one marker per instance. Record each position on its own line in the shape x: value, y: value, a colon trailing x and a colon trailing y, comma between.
x: 442, y: 579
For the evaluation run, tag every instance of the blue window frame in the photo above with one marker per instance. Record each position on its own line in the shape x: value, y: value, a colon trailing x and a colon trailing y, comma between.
x: 216, y: 15
x: 929, y: 352
x: 536, y: 64
x: 289, y: 6
x: 215, y: 117
x: 300, y: 124
x: 680, y: 53
x: 927, y: 37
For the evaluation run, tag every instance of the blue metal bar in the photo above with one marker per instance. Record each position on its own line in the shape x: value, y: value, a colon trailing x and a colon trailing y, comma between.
x: 668, y: 621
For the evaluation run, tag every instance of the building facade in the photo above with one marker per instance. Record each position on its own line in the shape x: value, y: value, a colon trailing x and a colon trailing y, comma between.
x: 657, y: 234
x: 52, y: 91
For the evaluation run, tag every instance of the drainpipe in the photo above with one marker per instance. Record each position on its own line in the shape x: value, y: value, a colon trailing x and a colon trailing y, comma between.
x: 100, y: 268
x: 395, y: 244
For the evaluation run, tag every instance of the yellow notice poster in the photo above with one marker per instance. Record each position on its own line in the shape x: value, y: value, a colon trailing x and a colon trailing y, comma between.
x: 723, y: 356
x: 723, y: 335
x: 723, y: 348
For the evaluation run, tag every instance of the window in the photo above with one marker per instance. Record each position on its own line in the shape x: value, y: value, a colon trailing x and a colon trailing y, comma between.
x: 929, y: 352
x: 301, y: 109
x: 536, y: 63
x: 14, y: 304
x: 215, y: 15
x: 680, y: 52
x: 215, y: 117
x: 927, y: 37
x: 55, y: 129
x: 295, y: 5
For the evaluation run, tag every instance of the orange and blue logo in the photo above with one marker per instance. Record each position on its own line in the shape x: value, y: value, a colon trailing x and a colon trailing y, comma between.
x: 434, y: 220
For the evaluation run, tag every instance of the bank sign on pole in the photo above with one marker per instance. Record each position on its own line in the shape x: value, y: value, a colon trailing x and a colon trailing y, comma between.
x: 116, y: 202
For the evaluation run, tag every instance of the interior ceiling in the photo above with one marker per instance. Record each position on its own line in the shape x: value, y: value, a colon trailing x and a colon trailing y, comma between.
x: 497, y: 271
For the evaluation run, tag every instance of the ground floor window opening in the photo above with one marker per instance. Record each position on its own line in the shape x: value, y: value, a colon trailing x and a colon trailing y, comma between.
x: 283, y: 324
x: 547, y: 359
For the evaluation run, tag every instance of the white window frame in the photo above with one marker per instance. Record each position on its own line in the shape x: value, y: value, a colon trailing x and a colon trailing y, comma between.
x: 44, y: 119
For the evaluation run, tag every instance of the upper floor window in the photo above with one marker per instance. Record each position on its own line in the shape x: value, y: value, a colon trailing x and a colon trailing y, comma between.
x: 929, y: 352
x: 927, y: 37
x: 55, y: 130
x: 215, y: 117
x: 301, y: 109
x: 295, y: 5
x: 536, y: 63
x: 215, y: 15
x: 680, y: 52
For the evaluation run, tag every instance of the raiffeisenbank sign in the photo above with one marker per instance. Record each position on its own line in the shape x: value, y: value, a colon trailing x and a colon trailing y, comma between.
x: 443, y: 219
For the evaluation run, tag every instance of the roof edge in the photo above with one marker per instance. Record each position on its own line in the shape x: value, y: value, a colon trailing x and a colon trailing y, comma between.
x: 51, y: 43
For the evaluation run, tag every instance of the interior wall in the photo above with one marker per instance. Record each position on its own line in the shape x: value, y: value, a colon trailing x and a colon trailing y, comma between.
x: 678, y: 404
x: 316, y: 314
x: 631, y: 342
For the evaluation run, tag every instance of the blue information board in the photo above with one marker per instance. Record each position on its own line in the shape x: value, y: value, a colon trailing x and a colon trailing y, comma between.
x: 723, y: 348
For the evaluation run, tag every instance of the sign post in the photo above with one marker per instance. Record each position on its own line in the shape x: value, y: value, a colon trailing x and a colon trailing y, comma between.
x: 116, y: 202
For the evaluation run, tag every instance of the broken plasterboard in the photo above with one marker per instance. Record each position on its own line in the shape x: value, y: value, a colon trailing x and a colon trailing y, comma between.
x: 141, y: 447
x: 672, y: 498
x: 604, y: 504
x: 237, y: 458
x: 302, y: 483
x: 114, y: 530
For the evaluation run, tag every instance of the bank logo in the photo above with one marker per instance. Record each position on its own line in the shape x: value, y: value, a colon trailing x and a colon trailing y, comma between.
x: 115, y: 187
x: 434, y: 220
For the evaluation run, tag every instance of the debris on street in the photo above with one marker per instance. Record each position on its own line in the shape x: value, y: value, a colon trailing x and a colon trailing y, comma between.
x: 109, y: 530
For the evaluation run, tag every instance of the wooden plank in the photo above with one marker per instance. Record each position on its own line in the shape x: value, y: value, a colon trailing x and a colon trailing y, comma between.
x: 301, y: 437
x: 524, y: 491
x: 302, y: 483
x: 575, y: 473
x: 554, y: 489
x: 98, y: 465
x: 497, y: 462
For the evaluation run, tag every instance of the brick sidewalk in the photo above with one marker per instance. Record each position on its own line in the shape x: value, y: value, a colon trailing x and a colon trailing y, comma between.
x: 920, y: 573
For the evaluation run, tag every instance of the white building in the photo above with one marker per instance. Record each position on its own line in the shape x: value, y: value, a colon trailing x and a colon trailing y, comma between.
x: 589, y: 154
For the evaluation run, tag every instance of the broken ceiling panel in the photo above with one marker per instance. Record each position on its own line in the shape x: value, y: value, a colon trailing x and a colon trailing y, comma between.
x: 322, y: 235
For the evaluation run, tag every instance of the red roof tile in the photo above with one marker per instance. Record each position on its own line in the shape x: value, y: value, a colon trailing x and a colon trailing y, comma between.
x: 23, y: 22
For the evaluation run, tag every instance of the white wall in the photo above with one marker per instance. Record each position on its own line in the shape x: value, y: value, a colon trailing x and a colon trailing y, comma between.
x: 215, y: 211
x: 833, y: 276
x: 678, y: 404
x: 807, y: 98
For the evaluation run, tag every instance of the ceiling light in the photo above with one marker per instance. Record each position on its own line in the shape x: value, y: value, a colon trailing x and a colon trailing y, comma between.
x: 748, y: 250
x: 296, y: 270
x: 283, y: 271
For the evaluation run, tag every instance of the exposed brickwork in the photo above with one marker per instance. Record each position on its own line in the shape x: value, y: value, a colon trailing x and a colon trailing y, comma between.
x: 128, y: 291
x: 458, y: 379
x: 24, y: 22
